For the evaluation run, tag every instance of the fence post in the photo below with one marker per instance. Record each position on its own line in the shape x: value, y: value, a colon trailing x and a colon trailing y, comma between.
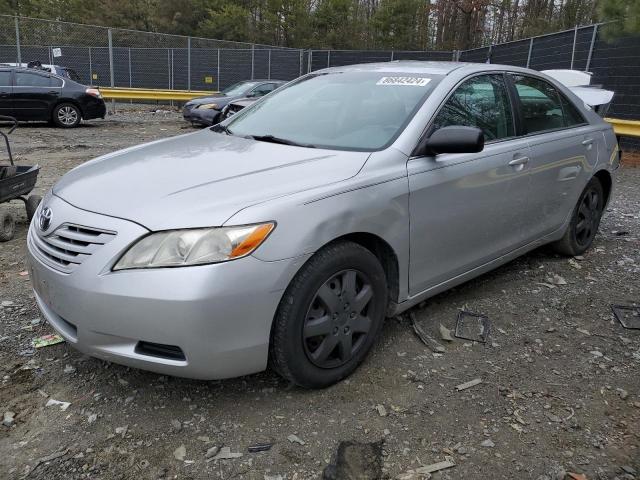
x: 112, y: 78
x: 301, y: 55
x: 130, y: 82
x: 90, y: 69
x: 310, y: 61
x: 391, y: 56
x: 188, y: 63
x: 218, y: 72
x: 253, y: 57
x: 269, y: 67
x: 18, y: 51
x: 328, y: 58
x: 593, y: 41
x: 50, y: 56
x: 573, y: 50
x: 530, y: 50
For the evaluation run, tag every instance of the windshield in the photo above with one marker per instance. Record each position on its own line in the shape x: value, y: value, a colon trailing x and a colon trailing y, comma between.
x: 239, y: 88
x: 338, y: 110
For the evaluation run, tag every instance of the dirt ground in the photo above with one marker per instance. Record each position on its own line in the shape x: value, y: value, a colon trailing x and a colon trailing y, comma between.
x: 560, y: 387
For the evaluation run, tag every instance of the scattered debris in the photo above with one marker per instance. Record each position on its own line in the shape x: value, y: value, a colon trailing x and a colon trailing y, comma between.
x: 356, y: 460
x: 469, y: 384
x: 69, y: 369
x: 92, y: 417
x: 627, y: 315
x: 445, y: 334
x: 57, y: 403
x: 381, y: 410
x: 180, y: 452
x: 472, y: 326
x: 225, y: 453
x: 8, y: 420
x: 555, y: 279
x: 577, y: 476
x: 46, y: 459
x: 259, y: 447
x: 212, y: 452
x: 47, y: 340
x: 488, y: 443
x: 436, y: 467
x: 427, y: 339
x: 295, y: 439
x: 575, y: 264
x: 122, y: 431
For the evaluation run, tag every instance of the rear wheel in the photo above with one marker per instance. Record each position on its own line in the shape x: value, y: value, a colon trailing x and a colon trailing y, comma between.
x: 66, y: 115
x: 7, y: 226
x: 330, y: 316
x: 584, y: 222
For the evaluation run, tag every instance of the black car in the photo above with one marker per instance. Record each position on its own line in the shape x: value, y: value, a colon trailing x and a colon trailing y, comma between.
x: 36, y: 95
x: 208, y: 110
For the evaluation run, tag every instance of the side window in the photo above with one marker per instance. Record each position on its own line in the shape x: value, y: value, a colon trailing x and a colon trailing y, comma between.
x: 24, y: 79
x: 540, y: 104
x: 481, y: 102
x: 572, y: 115
x: 5, y: 78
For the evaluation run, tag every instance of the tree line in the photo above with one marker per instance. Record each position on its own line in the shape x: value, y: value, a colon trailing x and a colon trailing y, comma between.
x: 340, y: 24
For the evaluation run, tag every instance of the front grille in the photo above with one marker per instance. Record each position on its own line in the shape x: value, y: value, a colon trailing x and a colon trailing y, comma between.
x: 69, y: 245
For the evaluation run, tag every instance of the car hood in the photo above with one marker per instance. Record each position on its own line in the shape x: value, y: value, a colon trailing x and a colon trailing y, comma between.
x: 244, y: 102
x: 207, y: 99
x: 199, y: 179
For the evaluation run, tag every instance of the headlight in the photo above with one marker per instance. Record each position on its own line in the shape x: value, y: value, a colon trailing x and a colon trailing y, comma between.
x: 181, y: 248
x: 212, y: 106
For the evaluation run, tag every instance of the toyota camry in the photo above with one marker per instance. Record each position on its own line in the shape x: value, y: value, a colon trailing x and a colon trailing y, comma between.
x: 285, y: 235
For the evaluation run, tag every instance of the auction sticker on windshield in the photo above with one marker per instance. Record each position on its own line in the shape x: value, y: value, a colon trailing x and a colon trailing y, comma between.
x: 406, y: 81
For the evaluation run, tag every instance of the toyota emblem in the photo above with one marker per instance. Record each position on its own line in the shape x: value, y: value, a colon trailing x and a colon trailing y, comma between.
x: 44, y: 220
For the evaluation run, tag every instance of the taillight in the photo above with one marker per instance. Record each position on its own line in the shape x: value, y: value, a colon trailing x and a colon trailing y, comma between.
x: 93, y: 92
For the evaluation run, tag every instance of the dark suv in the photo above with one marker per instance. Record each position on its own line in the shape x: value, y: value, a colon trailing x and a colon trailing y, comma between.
x: 36, y: 95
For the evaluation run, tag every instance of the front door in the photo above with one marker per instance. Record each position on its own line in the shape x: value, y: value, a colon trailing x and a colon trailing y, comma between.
x: 468, y: 209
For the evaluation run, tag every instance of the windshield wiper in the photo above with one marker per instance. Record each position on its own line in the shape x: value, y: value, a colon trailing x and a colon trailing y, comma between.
x: 283, y: 141
x: 221, y: 128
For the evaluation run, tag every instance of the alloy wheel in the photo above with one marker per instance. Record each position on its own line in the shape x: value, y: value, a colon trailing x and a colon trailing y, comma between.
x: 588, y: 217
x: 337, y: 322
x: 67, y: 115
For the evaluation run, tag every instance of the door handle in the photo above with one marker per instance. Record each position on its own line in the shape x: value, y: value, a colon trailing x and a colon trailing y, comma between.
x: 519, y: 161
x: 54, y: 92
x: 587, y: 141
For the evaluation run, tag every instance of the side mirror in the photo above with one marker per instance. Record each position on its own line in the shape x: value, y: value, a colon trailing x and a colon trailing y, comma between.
x: 453, y: 139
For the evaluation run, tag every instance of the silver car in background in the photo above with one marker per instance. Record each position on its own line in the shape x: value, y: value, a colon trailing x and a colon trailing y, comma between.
x: 290, y: 231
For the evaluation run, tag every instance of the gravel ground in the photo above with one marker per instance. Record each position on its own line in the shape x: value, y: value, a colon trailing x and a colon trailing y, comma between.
x: 559, y: 391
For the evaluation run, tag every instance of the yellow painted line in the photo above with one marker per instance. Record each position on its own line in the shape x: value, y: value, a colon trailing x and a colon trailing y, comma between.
x: 152, y: 94
x: 625, y: 128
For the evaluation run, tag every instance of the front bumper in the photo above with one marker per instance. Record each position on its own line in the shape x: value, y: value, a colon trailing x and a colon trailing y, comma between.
x: 219, y: 316
x: 204, y: 116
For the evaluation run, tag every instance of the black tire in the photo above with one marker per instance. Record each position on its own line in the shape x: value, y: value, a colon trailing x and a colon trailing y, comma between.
x: 7, y: 226
x: 585, y: 221
x: 66, y: 115
x: 311, y: 358
x: 31, y: 205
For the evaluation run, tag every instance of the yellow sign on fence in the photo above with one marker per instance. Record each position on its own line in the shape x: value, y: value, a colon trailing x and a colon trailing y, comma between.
x: 208, y: 79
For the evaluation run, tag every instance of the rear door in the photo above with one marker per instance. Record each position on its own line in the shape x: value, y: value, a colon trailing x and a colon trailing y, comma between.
x: 467, y: 209
x: 563, y: 152
x: 5, y: 92
x: 34, y: 95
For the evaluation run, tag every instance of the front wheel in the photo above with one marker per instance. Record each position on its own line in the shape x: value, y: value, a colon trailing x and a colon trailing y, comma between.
x: 584, y: 221
x: 329, y: 316
x: 66, y: 115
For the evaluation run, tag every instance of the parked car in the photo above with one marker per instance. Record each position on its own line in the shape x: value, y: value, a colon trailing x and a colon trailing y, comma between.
x: 64, y: 72
x: 35, y: 95
x: 292, y: 230
x: 235, y: 106
x: 208, y: 110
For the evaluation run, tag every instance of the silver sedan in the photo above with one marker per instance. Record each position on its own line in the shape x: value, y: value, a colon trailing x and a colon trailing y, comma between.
x: 286, y: 234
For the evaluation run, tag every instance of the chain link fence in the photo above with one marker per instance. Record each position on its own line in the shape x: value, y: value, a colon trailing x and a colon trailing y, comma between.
x: 126, y: 58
